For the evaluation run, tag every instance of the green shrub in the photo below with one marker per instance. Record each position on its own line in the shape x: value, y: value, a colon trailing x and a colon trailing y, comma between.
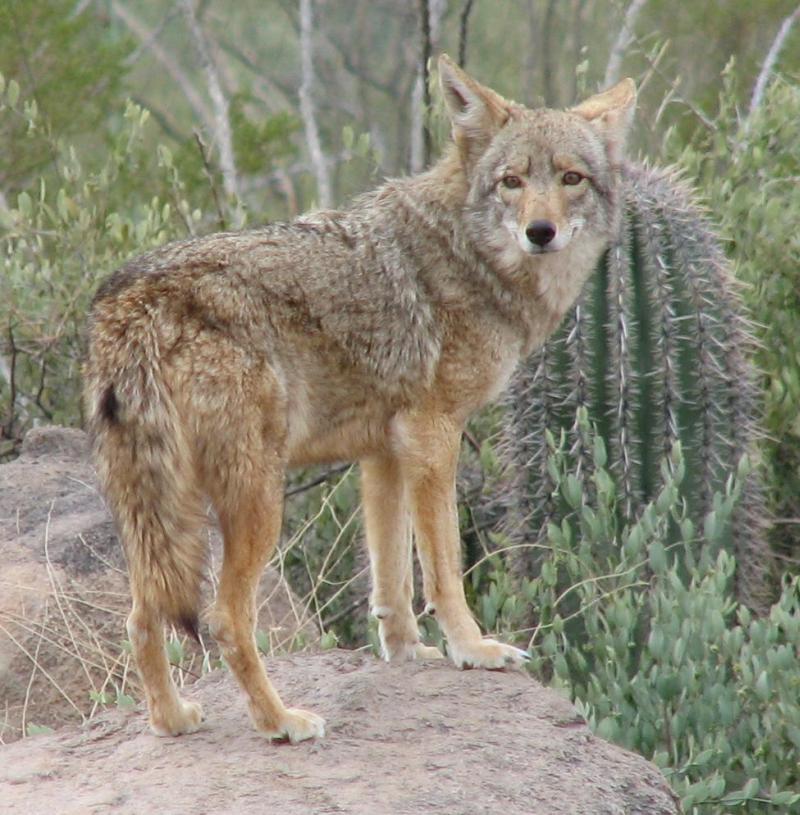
x: 80, y: 215
x: 58, y: 241
x: 652, y: 645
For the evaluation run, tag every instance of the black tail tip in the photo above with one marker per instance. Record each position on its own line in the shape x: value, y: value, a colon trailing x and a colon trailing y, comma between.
x: 190, y: 624
x: 109, y: 405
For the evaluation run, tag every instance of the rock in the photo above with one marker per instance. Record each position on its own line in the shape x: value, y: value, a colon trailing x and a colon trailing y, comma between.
x: 65, y: 598
x: 408, y: 738
x: 402, y: 738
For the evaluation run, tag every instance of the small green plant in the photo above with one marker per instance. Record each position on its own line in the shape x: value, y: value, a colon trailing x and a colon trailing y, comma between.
x: 37, y: 730
x: 328, y: 641
x: 101, y: 698
x: 124, y: 701
x: 175, y: 651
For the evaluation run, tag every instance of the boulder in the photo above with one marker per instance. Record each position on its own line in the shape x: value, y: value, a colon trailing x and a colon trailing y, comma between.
x: 401, y: 739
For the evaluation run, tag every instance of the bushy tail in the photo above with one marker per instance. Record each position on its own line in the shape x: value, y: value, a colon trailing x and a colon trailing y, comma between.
x: 145, y: 465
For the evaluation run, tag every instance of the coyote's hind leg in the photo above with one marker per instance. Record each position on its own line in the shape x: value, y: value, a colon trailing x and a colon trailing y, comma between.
x: 388, y: 527
x: 249, y: 510
x: 169, y: 714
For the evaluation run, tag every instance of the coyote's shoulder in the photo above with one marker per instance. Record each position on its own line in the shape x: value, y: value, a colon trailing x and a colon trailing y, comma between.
x: 370, y: 333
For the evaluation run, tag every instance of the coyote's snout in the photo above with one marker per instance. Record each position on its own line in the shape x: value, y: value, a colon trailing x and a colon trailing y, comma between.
x: 542, y: 210
x: 368, y: 334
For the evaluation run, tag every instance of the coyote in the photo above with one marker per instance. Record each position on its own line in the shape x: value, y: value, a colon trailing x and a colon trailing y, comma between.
x: 369, y: 334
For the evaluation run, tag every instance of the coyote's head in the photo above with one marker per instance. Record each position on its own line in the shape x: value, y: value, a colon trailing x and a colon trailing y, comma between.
x: 537, y: 178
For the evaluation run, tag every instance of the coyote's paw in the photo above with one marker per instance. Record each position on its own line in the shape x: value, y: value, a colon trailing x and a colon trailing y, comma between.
x: 410, y: 650
x: 422, y: 651
x: 185, y: 717
x: 297, y: 725
x: 486, y: 653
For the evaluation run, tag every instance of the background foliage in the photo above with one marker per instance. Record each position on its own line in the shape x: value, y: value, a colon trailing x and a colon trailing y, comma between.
x: 113, y: 120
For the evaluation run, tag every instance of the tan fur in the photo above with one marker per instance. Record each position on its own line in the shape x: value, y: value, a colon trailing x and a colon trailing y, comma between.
x: 367, y: 334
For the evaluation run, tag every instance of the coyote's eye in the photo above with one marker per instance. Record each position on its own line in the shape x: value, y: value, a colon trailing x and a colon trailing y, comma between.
x: 571, y: 178
x: 511, y: 181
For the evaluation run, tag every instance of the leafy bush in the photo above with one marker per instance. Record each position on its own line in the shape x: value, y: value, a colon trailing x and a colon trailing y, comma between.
x: 79, y: 217
x: 58, y: 241
x: 655, y: 650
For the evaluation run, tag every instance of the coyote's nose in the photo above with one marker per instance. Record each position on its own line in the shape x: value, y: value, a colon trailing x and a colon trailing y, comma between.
x: 540, y: 232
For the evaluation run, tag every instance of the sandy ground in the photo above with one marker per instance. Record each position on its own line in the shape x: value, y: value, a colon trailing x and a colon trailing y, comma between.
x: 410, y: 738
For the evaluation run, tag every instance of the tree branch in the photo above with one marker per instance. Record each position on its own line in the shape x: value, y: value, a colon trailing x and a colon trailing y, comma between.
x: 307, y: 109
x: 140, y: 31
x: 430, y: 20
x: 463, y: 27
x: 8, y: 371
x: 263, y: 85
x: 425, y: 24
x: 759, y: 89
x: 548, y: 63
x: 623, y: 40
x: 222, y: 122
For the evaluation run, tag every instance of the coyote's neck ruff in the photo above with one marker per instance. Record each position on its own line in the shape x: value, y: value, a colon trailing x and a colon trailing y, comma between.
x: 370, y: 333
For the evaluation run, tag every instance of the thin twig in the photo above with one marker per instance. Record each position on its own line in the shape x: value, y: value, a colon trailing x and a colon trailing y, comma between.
x: 41, y: 669
x: 21, y: 622
x: 472, y: 441
x: 222, y: 122
x: 32, y: 677
x: 307, y: 107
x: 209, y: 173
x: 318, y: 480
x: 345, y: 612
x: 702, y: 117
x: 165, y: 57
x: 56, y: 592
x: 759, y: 89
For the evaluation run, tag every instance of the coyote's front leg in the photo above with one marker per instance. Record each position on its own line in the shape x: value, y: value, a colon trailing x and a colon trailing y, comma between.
x: 427, y: 447
x: 388, y: 528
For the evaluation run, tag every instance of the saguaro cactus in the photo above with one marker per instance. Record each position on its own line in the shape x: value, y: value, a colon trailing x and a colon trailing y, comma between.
x: 657, y: 351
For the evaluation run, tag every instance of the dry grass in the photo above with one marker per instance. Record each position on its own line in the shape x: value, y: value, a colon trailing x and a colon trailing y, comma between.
x: 68, y: 640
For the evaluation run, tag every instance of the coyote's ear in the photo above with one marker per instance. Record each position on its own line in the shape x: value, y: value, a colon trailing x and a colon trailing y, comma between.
x: 611, y: 113
x: 476, y: 112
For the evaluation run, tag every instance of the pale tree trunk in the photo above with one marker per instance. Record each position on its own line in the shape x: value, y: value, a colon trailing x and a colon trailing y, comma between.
x: 463, y: 32
x: 431, y: 14
x: 307, y: 108
x: 624, y: 39
x: 222, y: 123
